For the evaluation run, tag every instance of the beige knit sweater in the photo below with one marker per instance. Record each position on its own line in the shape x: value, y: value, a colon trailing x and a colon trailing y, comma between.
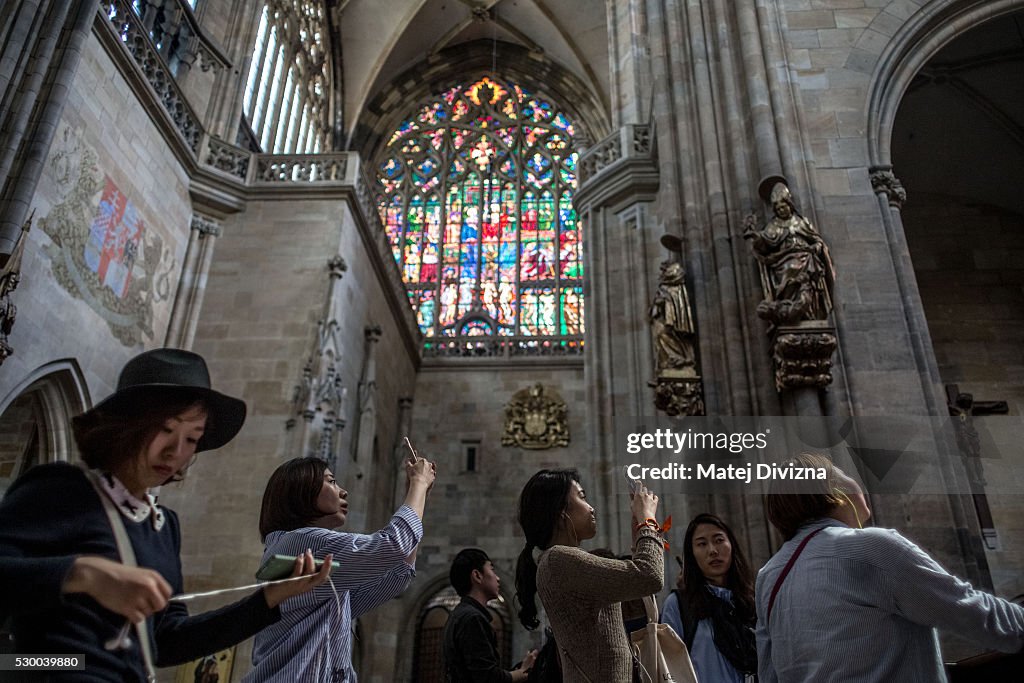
x: 581, y: 595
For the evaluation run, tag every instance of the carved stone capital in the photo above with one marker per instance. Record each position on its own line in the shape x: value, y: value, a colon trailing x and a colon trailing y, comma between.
x: 536, y: 418
x: 336, y: 267
x: 206, y: 227
x: 678, y: 396
x: 373, y: 334
x: 405, y: 403
x: 803, y: 356
x: 885, y: 181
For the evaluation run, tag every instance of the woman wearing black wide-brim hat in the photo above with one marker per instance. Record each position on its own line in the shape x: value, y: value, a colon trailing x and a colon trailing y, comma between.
x: 88, y: 560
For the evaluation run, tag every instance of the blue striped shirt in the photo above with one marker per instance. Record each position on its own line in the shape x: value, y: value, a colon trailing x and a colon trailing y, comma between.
x: 313, y: 640
x: 862, y: 606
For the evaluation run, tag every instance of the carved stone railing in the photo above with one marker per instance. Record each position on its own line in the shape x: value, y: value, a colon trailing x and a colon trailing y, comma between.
x: 302, y: 168
x: 629, y: 141
x: 229, y: 158
x: 136, y: 37
x: 503, y: 347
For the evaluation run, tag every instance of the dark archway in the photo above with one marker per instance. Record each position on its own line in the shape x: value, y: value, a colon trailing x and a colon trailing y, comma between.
x: 958, y: 148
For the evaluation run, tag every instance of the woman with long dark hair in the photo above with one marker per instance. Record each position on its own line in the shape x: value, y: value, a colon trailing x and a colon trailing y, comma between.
x: 581, y: 592
x: 303, y: 505
x: 713, y: 608
x: 89, y: 560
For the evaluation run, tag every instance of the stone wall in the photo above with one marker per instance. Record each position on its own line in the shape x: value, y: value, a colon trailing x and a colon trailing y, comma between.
x: 265, y: 293
x: 452, y: 408
x: 104, y: 134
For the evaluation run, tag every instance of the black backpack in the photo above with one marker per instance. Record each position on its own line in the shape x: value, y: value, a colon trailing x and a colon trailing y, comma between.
x: 546, y: 668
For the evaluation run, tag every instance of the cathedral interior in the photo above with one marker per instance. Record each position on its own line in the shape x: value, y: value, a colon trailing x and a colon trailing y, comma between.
x: 501, y: 228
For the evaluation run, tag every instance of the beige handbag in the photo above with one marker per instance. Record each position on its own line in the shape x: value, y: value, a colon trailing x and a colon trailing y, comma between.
x: 659, y: 651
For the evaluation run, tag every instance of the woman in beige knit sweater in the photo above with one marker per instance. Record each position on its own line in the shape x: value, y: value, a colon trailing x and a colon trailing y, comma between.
x: 581, y: 592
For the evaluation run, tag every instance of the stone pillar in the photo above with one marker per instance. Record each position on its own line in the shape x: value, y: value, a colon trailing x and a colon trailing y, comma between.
x: 225, y: 107
x: 401, y: 451
x: 38, y: 61
x: 618, y: 184
x: 891, y: 196
x: 188, y: 301
x: 363, y: 438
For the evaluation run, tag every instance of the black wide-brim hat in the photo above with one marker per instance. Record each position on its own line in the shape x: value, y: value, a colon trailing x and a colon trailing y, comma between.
x: 170, y: 371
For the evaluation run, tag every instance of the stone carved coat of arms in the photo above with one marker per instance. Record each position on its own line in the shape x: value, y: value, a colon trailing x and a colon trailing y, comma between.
x: 536, y: 418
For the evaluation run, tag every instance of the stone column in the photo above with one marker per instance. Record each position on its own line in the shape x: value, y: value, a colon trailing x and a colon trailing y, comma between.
x: 401, y: 451
x: 891, y: 196
x: 618, y: 184
x: 188, y: 301
x: 38, y: 61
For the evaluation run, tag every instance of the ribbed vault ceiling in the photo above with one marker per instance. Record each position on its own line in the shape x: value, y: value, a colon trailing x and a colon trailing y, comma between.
x: 382, y: 39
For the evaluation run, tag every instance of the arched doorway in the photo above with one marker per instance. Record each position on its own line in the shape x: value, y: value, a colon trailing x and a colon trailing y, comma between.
x: 428, y: 663
x: 35, y: 427
x: 957, y: 147
x: 35, y: 419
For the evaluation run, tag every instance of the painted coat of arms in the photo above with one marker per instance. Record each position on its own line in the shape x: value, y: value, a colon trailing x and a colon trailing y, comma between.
x: 102, y: 250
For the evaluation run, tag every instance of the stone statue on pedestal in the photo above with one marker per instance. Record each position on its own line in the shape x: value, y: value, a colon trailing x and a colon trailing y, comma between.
x: 672, y: 323
x: 796, y: 268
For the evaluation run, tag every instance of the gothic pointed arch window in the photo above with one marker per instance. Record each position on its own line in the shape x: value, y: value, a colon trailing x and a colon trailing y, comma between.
x: 286, y: 96
x: 475, y: 193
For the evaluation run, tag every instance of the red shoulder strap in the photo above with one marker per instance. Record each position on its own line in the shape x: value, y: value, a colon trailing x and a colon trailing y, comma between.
x: 785, y: 572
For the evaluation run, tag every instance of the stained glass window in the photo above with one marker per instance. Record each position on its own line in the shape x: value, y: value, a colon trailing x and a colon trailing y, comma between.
x: 475, y: 194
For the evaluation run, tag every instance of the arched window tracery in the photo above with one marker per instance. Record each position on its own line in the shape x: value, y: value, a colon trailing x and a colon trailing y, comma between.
x: 475, y: 194
x: 285, y: 100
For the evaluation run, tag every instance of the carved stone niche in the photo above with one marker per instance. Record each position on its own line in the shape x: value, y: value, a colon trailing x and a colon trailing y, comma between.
x: 536, y: 418
x: 803, y: 355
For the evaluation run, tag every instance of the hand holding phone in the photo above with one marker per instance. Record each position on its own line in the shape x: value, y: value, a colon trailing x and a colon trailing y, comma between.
x: 281, y: 566
x: 634, y: 484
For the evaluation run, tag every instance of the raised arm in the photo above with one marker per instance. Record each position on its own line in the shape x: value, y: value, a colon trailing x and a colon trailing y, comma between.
x: 614, y: 580
x: 925, y: 593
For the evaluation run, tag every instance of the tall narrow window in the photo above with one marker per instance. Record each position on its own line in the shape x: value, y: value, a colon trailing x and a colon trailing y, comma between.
x: 289, y: 77
x: 475, y: 194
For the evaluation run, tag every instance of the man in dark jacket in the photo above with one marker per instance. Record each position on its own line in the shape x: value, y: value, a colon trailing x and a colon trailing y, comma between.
x: 470, y: 646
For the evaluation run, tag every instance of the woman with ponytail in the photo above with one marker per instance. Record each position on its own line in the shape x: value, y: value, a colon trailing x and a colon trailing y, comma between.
x: 581, y: 592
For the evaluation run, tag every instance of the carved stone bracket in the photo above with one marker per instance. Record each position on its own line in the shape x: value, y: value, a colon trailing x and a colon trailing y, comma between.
x: 885, y: 181
x: 536, y: 418
x: 803, y: 355
x: 678, y: 395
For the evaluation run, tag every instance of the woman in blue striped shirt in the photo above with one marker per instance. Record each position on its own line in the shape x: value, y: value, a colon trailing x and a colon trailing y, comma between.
x: 302, y: 505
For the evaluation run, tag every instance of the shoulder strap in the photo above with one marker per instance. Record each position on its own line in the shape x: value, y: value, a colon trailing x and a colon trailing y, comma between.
x: 689, y: 619
x: 127, y: 553
x: 785, y: 571
x: 574, y: 664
